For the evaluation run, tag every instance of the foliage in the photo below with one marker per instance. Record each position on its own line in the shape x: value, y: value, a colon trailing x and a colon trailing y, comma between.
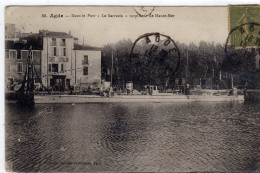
x: 197, y: 63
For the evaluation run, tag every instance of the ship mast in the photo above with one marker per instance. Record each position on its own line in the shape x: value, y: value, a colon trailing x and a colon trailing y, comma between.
x: 25, y: 95
x: 187, y: 65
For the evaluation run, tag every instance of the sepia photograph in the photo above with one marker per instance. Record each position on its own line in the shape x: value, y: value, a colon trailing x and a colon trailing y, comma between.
x: 132, y: 88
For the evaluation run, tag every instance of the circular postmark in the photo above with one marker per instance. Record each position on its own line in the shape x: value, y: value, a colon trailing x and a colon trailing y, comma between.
x: 242, y: 46
x: 144, y: 11
x: 154, y: 58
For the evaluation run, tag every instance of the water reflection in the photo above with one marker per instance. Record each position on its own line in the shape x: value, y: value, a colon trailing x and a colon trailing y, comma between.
x: 170, y: 137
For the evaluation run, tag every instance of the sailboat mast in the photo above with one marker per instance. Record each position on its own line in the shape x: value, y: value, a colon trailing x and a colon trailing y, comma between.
x: 28, y: 74
x: 187, y: 63
x: 112, y: 67
x: 32, y: 83
x: 25, y: 95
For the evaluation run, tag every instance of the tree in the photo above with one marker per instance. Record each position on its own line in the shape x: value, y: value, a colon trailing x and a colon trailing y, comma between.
x: 205, y: 61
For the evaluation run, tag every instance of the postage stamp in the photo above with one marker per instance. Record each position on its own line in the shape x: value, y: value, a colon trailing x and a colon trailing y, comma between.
x: 244, y: 26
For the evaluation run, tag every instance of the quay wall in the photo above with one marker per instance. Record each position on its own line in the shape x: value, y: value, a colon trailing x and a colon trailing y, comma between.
x: 252, y: 95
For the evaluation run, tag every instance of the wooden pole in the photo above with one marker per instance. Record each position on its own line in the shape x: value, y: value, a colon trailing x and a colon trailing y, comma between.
x: 187, y: 63
x: 75, y: 69
x: 112, y: 68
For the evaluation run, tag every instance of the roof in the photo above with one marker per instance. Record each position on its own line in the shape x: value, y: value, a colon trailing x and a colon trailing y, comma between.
x: 56, y: 34
x: 85, y: 47
x: 36, y: 45
x: 13, y: 45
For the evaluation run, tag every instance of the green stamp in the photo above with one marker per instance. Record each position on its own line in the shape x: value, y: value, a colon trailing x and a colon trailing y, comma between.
x: 244, y: 26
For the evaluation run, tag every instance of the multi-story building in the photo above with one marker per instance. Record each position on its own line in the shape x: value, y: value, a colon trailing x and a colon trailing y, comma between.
x: 87, y: 63
x: 65, y: 63
x: 59, y: 61
x: 12, y: 35
x: 16, y: 57
x: 10, y: 31
x: 56, y: 58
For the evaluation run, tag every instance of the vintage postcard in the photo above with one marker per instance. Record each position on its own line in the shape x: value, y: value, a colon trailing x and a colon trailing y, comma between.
x: 132, y: 89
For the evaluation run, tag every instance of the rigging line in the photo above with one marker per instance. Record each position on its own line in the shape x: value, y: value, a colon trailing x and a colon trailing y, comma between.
x: 24, y: 81
x: 39, y: 78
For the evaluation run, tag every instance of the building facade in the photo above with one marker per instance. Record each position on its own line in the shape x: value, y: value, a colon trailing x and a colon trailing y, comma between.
x: 59, y: 61
x: 56, y: 59
x: 16, y: 58
x: 88, y: 68
x: 64, y: 65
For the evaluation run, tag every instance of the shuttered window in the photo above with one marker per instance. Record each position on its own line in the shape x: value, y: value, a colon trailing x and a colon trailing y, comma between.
x: 55, y: 51
x: 24, y: 54
x: 19, y: 67
x: 8, y: 67
x: 85, y: 60
x: 85, y: 70
x: 7, y: 54
x: 13, y: 54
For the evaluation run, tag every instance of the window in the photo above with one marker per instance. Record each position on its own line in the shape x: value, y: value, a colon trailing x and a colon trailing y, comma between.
x: 54, y: 43
x: 62, y: 68
x: 36, y: 56
x: 8, y: 67
x: 13, y: 54
x: 68, y: 83
x: 85, y: 60
x: 24, y: 54
x: 55, y: 51
x: 51, y: 82
x: 18, y: 55
x: 85, y: 70
x: 53, y: 68
x: 6, y: 54
x: 64, y: 51
x: 63, y: 42
x: 19, y: 67
x: 49, y: 68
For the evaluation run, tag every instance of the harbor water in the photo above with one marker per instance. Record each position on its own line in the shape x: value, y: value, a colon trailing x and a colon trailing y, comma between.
x: 133, y: 137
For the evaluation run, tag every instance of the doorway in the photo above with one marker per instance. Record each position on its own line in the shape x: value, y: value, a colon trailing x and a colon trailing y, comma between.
x: 58, y: 82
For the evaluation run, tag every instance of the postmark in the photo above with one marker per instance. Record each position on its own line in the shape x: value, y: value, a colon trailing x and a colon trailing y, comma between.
x: 144, y: 11
x: 242, y: 54
x: 244, y: 26
x: 155, y: 58
x: 243, y: 41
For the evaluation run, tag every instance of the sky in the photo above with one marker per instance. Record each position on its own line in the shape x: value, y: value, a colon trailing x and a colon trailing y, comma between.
x: 189, y: 24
